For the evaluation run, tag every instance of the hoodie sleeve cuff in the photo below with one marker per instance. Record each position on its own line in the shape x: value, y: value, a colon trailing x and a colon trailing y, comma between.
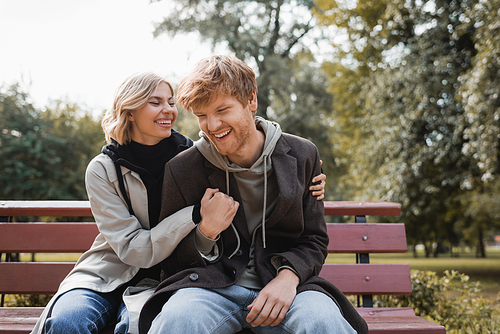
x: 207, y: 247
x: 281, y: 263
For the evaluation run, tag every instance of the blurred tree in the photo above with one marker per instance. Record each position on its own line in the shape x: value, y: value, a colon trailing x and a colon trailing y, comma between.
x: 274, y: 36
x: 83, y: 138
x: 396, y: 76
x: 43, y: 155
x: 264, y: 31
x: 480, y: 124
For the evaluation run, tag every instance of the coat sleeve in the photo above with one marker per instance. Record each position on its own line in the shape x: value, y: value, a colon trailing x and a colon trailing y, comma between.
x: 186, y: 253
x: 308, y: 252
x: 134, y: 244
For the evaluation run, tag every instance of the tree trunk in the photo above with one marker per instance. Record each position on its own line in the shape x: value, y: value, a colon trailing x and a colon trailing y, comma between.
x: 427, y: 250
x: 480, y: 249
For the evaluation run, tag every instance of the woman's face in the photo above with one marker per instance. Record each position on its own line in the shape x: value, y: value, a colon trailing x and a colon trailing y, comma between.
x: 154, y: 121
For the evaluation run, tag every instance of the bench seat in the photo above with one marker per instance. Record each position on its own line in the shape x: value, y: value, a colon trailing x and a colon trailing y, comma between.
x: 361, y: 278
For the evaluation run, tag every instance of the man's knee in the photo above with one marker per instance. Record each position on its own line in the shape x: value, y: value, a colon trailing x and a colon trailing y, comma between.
x: 315, y: 312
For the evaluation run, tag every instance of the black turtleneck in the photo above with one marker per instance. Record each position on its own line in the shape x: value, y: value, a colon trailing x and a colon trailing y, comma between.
x: 149, y: 162
x: 152, y: 159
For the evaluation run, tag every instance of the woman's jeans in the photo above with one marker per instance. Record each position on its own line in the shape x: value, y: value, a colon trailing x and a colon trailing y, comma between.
x: 221, y: 311
x: 85, y: 311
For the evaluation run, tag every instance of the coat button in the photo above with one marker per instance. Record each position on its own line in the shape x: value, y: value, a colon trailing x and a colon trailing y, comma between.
x: 193, y: 277
x: 239, y: 253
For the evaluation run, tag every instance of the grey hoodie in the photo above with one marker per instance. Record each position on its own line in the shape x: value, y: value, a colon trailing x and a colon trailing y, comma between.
x: 253, y: 184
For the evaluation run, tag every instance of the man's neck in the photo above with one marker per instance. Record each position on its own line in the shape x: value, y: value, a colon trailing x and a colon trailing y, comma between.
x: 251, y: 151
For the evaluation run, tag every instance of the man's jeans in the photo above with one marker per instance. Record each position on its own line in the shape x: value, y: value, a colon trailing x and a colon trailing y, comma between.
x: 85, y: 311
x: 195, y: 310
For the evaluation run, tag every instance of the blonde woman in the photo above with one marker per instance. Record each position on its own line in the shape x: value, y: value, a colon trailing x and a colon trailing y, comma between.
x: 112, y: 280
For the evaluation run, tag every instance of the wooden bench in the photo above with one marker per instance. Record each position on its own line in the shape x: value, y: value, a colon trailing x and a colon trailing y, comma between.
x: 361, y: 238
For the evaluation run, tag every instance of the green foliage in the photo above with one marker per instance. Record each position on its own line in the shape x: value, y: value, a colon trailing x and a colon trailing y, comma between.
x: 266, y: 32
x: 43, y: 154
x: 452, y: 301
x: 415, y: 86
x: 27, y: 300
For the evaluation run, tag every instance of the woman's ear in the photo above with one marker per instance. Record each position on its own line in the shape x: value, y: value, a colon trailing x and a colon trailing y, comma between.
x: 130, y: 117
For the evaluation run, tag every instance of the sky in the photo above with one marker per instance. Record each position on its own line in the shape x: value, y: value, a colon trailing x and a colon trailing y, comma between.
x: 81, y: 50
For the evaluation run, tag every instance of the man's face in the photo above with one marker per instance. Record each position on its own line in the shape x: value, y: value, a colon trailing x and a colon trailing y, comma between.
x: 229, y: 125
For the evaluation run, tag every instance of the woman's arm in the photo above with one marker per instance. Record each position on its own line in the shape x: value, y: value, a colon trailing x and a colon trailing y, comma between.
x: 133, y: 244
x: 318, y: 189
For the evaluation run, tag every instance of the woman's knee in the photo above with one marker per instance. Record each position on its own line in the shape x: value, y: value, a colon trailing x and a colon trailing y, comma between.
x: 64, y: 325
x: 80, y: 311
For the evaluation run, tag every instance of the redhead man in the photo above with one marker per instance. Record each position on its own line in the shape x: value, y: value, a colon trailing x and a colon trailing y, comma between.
x: 260, y: 269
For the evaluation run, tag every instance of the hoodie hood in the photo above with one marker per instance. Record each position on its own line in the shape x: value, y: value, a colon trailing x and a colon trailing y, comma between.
x: 247, y: 178
x: 272, y: 130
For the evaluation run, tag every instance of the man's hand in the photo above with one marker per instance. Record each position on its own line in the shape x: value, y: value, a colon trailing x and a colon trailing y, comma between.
x: 272, y: 303
x: 217, y: 212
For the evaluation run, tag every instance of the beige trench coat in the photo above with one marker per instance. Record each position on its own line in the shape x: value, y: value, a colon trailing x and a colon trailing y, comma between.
x: 125, y: 243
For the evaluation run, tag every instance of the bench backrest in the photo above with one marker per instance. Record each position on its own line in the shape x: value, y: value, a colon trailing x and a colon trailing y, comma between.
x: 44, y: 278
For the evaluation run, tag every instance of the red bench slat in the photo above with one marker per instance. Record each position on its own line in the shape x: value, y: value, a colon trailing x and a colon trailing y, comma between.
x: 45, y: 208
x: 32, y: 277
x: 46, y: 237
x: 366, y: 238
x: 20, y: 320
x: 353, y: 208
x: 82, y: 208
x: 369, y: 279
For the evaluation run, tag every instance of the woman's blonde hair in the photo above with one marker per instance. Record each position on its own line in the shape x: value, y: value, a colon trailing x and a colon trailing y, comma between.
x: 214, y: 75
x: 131, y: 95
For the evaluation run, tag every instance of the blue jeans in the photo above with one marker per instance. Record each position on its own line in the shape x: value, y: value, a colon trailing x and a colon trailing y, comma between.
x: 195, y: 310
x: 86, y: 311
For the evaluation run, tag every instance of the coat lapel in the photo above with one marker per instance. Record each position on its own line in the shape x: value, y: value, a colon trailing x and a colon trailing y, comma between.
x: 285, y: 168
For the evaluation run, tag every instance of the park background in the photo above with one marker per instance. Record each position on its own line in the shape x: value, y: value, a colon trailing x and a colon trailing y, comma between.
x: 401, y: 98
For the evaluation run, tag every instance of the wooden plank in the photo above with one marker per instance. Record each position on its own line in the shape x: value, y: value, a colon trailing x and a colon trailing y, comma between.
x: 397, y: 320
x: 382, y: 320
x: 17, y: 277
x: 78, y: 237
x: 385, y: 311
x: 45, y: 208
x: 353, y: 208
x: 369, y: 279
x: 82, y: 208
x: 367, y: 238
x: 18, y: 319
x: 407, y: 325
x: 46, y: 237
x: 32, y: 277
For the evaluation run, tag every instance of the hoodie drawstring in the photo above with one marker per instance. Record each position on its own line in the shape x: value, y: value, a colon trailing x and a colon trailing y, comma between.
x: 232, y: 225
x: 265, y: 204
